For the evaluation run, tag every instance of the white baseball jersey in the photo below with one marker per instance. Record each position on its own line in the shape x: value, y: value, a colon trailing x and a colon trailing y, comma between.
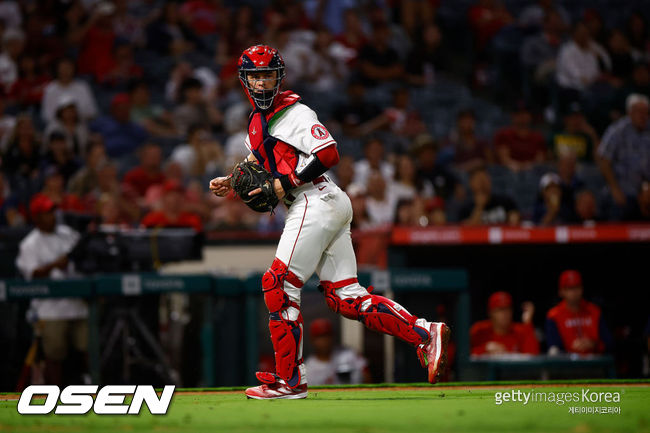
x: 316, y: 235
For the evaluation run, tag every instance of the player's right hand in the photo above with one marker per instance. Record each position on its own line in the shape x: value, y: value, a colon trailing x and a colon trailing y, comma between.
x: 220, y: 186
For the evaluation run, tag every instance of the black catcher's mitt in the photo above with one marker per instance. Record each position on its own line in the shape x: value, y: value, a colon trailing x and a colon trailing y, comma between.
x: 248, y: 176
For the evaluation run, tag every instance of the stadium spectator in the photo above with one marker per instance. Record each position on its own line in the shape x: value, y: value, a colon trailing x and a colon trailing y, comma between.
x: 378, y: 61
x: 485, y: 207
x: 194, y: 108
x: 486, y: 19
x: 21, y: 161
x: 235, y: 123
x: 169, y: 35
x: 109, y: 208
x: 586, y: 207
x: 426, y: 59
x: 13, y: 43
x: 45, y: 253
x: 407, y: 185
x: 107, y: 183
x: 570, y: 182
x: 10, y: 209
x: 640, y: 210
x: 97, y: 42
x: 85, y: 179
x: 637, y: 33
x: 356, y: 114
x: 402, y: 119
x: 518, y: 146
x: 373, y: 151
x: 406, y: 213
x: 68, y: 123
x: 153, y: 118
x: 27, y: 90
x: 65, y: 85
x: 533, y: 17
x: 128, y: 24
x: 551, y: 207
x: 7, y: 125
x: 499, y: 335
x: 122, y: 69
x: 353, y: 36
x: 620, y: 53
x: 54, y: 189
x: 579, y: 64
x: 575, y: 325
x: 172, y: 213
x: 60, y: 156
x: 435, y: 212
x: 231, y: 215
x: 445, y: 184
x: 201, y: 155
x: 121, y: 136
x: 468, y: 151
x: 624, y: 153
x: 538, y: 57
x: 344, y: 172
x: 380, y: 201
x: 11, y: 15
x: 206, y: 17
x: 139, y: 179
x: 577, y: 138
x: 330, y: 365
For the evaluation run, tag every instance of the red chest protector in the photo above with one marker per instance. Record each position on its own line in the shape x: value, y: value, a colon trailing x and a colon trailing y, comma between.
x: 275, y: 155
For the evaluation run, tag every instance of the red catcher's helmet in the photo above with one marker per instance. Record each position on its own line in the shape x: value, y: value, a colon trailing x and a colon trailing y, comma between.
x: 260, y: 58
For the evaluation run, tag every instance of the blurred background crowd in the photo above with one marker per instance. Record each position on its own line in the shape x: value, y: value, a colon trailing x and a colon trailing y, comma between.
x: 471, y: 112
x: 115, y: 115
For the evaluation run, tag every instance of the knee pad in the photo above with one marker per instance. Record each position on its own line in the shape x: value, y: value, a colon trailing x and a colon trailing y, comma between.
x: 349, y: 307
x: 275, y: 298
x: 286, y: 337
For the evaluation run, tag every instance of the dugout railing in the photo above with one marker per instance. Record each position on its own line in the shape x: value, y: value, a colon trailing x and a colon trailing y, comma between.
x: 242, y: 320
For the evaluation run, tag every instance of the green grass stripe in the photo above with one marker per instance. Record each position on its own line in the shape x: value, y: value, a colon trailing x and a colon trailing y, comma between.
x: 445, y: 384
x: 421, y: 410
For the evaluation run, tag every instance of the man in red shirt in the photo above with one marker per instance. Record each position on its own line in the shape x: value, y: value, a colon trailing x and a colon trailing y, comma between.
x: 498, y: 334
x: 575, y: 325
x: 518, y: 146
x: 138, y: 180
x: 171, y: 214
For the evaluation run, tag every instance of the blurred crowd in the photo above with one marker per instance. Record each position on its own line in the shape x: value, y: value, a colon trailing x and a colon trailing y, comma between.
x: 470, y: 112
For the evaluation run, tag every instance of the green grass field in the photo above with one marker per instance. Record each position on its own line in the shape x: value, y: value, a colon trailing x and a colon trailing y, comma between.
x: 369, y: 410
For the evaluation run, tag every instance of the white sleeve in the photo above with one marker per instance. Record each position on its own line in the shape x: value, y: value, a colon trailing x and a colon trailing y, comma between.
x: 26, y: 261
x: 301, y: 128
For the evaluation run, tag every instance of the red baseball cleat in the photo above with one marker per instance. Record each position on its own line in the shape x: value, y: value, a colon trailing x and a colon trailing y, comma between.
x: 274, y: 388
x: 433, y: 354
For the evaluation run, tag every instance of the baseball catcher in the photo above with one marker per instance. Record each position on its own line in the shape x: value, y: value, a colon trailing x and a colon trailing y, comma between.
x: 286, y: 138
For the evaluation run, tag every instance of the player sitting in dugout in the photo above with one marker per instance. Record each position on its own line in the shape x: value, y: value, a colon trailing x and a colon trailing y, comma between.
x: 576, y: 325
x: 499, y: 335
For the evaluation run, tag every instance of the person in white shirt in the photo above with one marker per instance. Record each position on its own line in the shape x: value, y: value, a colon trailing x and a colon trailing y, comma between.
x: 67, y: 87
x: 44, y: 254
x: 373, y: 151
x: 13, y: 42
x: 579, y: 60
x: 329, y: 364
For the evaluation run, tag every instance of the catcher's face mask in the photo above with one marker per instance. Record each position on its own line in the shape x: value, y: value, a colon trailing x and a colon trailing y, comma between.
x: 261, y: 70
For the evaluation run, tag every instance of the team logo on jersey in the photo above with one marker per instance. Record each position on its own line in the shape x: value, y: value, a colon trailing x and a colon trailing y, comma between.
x: 319, y: 132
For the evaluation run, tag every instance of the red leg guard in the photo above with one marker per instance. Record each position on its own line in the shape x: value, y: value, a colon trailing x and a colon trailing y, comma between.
x: 389, y: 317
x: 383, y: 315
x: 286, y: 335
